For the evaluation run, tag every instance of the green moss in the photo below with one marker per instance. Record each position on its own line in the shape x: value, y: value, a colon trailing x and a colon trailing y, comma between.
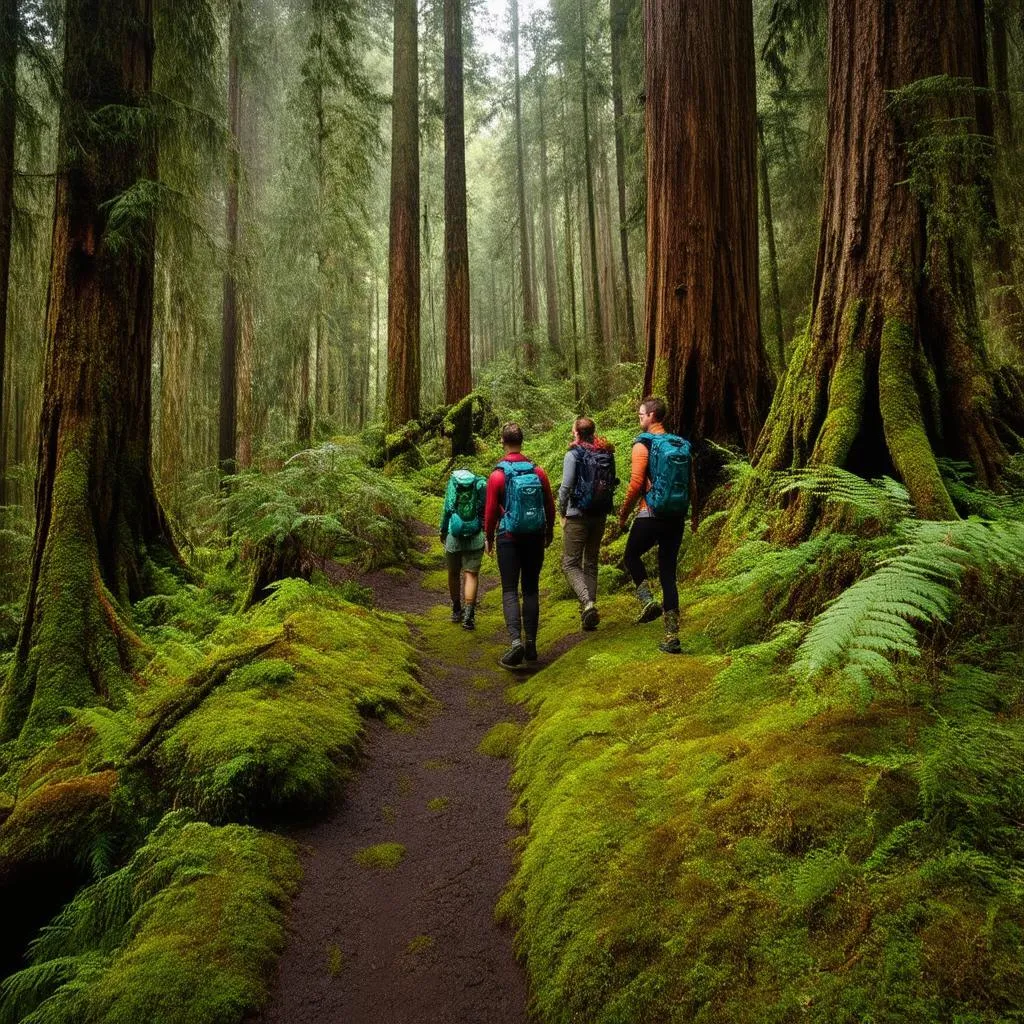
x: 187, y: 931
x: 420, y: 944
x: 501, y: 740
x: 439, y: 804
x: 382, y: 856
x: 335, y: 960
x: 707, y: 844
x: 902, y: 418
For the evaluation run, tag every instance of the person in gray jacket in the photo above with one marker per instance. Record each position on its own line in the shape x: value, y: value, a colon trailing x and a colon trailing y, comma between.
x: 585, y: 497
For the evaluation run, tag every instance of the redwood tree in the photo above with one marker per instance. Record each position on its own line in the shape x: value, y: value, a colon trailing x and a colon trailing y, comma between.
x: 403, y: 387
x: 98, y: 520
x: 458, y: 371
x: 228, y: 409
x: 8, y: 109
x: 892, y: 371
x: 525, y: 257
x: 702, y: 321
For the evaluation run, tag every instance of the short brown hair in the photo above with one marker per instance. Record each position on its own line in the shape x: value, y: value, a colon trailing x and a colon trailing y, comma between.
x: 512, y: 434
x: 656, y: 407
x: 585, y: 427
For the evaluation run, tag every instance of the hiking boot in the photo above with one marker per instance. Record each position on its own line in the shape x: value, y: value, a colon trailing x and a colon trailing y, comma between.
x: 469, y: 617
x: 670, y: 645
x: 513, y: 657
x: 649, y: 608
x: 589, y: 616
x: 456, y: 612
x: 530, y: 651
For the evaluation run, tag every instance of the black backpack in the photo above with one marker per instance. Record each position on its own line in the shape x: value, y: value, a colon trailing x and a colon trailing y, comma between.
x: 594, y: 489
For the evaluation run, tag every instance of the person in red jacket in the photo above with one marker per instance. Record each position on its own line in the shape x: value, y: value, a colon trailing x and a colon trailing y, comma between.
x: 521, y: 522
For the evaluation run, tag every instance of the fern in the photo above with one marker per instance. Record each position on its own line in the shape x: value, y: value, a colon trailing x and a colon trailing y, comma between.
x: 914, y: 582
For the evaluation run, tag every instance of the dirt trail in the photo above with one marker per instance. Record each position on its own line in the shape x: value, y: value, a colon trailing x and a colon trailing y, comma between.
x: 416, y: 944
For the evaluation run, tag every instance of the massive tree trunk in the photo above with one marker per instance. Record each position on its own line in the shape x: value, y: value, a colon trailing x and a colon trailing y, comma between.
x: 458, y: 370
x: 892, y: 370
x: 529, y: 298
x: 97, y: 516
x: 619, y: 14
x: 228, y: 412
x: 404, y: 246
x: 8, y: 120
x: 702, y: 321
x: 600, y: 353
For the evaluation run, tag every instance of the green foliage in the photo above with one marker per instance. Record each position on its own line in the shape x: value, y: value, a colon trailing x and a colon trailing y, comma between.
x: 327, y: 503
x: 186, y: 931
x: 382, y: 857
x: 501, y: 740
x: 919, y: 566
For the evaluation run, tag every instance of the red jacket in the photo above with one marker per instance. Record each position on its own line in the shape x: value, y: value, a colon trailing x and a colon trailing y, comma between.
x: 494, y: 509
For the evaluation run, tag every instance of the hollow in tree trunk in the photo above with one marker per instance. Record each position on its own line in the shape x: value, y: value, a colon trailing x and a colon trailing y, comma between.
x: 702, y: 321
x: 98, y: 521
x: 892, y: 371
x: 403, y: 385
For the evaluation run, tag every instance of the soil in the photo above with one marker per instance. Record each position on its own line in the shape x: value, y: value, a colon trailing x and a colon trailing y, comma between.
x: 417, y: 944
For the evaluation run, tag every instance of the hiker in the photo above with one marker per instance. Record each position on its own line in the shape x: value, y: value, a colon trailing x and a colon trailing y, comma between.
x: 520, y: 514
x: 659, y: 481
x: 462, y: 534
x: 585, y: 497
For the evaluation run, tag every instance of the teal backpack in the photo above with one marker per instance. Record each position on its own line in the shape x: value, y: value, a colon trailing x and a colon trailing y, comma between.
x: 464, y: 503
x: 524, y: 499
x: 669, y: 470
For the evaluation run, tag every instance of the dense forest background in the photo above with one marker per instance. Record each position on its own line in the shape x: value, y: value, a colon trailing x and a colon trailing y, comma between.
x: 268, y: 268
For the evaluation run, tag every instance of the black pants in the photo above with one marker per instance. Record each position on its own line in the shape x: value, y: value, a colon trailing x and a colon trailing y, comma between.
x: 667, y: 534
x: 520, y: 559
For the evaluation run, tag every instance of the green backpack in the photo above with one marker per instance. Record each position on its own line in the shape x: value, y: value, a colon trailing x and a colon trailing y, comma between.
x: 464, y: 503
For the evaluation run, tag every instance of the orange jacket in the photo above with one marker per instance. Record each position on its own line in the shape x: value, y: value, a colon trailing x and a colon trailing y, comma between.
x: 639, y: 483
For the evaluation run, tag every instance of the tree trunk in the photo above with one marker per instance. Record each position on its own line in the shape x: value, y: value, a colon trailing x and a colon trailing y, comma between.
x: 458, y: 368
x: 702, y: 324
x: 526, y: 272
x: 619, y: 18
x: 892, y: 370
x: 304, y: 419
x: 228, y: 413
x: 8, y: 123
x: 403, y: 399
x: 550, y: 271
x: 600, y: 353
x: 246, y: 359
x: 97, y: 516
x: 773, y: 257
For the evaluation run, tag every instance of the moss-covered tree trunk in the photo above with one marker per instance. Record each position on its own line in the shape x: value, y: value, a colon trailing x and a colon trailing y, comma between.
x: 458, y: 370
x: 702, y: 320
x: 892, y: 371
x: 525, y: 257
x: 403, y: 385
x: 8, y: 120
x: 97, y: 516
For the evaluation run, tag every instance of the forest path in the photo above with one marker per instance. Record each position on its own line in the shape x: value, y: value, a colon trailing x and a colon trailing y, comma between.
x: 416, y: 943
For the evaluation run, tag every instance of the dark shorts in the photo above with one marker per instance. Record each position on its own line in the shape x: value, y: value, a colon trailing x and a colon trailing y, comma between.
x: 465, y: 561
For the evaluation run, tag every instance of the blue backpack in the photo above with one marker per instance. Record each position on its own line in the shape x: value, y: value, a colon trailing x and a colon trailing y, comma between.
x: 669, y: 470
x: 464, y: 503
x: 524, y: 499
x: 594, y: 489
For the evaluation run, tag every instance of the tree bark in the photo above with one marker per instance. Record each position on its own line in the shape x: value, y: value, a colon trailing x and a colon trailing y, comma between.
x: 600, y: 352
x: 773, y: 257
x: 892, y: 371
x: 526, y: 272
x: 458, y: 380
x: 228, y: 411
x: 403, y: 399
x: 702, y: 322
x: 619, y: 16
x: 97, y: 516
x: 8, y: 124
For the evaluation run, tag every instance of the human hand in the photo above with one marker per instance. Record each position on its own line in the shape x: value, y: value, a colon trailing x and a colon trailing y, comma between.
x: 489, y: 545
x: 548, y: 538
x: 622, y: 524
